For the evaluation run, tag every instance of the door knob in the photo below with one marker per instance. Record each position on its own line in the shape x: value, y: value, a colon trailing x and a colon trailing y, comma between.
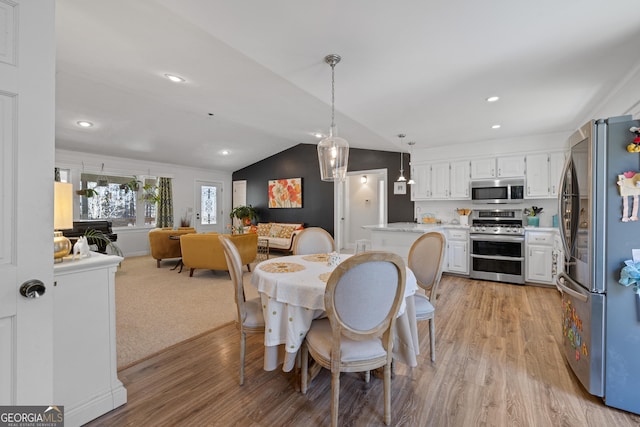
x: 32, y: 289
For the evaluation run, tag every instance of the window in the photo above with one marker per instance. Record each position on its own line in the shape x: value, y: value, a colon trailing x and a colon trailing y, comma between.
x: 208, y: 205
x: 118, y: 199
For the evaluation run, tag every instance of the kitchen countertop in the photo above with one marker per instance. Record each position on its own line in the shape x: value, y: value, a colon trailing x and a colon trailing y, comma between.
x: 411, y: 227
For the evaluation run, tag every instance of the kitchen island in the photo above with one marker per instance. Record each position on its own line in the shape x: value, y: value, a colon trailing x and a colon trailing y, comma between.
x: 399, y: 236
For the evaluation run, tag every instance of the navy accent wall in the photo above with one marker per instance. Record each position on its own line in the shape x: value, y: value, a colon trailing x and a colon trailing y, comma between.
x: 301, y: 161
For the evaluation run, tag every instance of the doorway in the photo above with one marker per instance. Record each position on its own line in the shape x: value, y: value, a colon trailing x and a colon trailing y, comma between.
x: 208, y: 197
x: 364, y: 202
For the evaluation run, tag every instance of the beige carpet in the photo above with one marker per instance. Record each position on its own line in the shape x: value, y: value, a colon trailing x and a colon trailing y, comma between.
x: 157, y: 307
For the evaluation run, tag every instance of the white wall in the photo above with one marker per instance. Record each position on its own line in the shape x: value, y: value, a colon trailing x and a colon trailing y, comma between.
x: 133, y: 240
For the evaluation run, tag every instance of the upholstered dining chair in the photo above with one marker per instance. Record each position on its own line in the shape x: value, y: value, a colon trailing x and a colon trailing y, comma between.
x: 425, y: 260
x: 362, y: 299
x: 313, y: 240
x: 249, y: 319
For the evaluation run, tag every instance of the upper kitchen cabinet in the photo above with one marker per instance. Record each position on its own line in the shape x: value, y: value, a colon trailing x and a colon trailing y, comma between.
x: 421, y: 174
x: 440, y: 181
x: 459, y: 179
x: 500, y: 167
x: 556, y: 165
x: 543, y: 174
x: 483, y: 168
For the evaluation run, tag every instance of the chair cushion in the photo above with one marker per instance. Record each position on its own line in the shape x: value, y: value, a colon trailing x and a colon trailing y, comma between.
x: 319, y: 339
x: 254, y: 313
x: 424, y: 308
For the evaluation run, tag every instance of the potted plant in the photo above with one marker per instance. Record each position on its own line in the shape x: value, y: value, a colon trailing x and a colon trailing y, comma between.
x: 87, y: 192
x: 532, y: 216
x: 150, y: 193
x: 133, y: 185
x: 245, y: 214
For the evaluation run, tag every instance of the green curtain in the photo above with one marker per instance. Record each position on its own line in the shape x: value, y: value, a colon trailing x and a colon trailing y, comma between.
x: 165, y: 203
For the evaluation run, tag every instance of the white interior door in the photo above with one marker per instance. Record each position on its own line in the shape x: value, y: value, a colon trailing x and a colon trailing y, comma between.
x: 27, y: 123
x: 209, y: 215
x: 365, y: 203
x: 239, y: 193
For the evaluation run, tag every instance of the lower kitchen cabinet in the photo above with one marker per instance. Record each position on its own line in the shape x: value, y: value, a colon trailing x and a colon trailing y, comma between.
x: 84, y: 324
x: 541, y: 257
x: 457, y: 253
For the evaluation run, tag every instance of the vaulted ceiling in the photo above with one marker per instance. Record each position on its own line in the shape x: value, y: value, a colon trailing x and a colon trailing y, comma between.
x: 256, y: 82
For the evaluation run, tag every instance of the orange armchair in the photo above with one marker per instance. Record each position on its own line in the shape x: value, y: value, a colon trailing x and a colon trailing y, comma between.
x: 162, y: 247
x: 205, y: 250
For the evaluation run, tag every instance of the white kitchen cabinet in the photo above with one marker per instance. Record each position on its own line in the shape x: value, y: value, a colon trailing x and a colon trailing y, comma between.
x: 440, y: 180
x: 541, y: 258
x: 421, y: 190
x: 543, y: 175
x: 460, y: 173
x: 483, y: 168
x: 498, y: 167
x: 556, y: 165
x: 457, y: 252
x: 84, y: 325
x: 537, y: 175
x: 510, y: 166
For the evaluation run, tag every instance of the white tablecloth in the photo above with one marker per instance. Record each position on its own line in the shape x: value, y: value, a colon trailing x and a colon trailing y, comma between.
x: 292, y: 299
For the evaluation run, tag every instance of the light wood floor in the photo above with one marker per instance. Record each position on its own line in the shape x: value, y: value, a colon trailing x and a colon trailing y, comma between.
x: 497, y: 364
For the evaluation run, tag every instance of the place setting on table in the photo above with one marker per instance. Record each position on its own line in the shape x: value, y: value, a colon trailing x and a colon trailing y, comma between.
x: 292, y: 289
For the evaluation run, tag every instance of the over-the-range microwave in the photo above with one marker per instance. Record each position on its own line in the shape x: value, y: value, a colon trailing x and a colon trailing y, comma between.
x: 497, y: 191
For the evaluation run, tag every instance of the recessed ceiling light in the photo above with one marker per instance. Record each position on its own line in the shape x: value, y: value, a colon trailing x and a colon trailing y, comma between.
x: 84, y: 123
x: 495, y: 127
x: 493, y: 98
x: 225, y: 152
x: 175, y: 79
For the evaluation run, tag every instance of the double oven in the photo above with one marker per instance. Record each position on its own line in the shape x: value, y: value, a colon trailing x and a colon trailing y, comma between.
x: 497, y: 245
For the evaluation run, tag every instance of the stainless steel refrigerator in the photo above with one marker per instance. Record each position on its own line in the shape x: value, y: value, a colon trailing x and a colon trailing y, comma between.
x: 601, y: 330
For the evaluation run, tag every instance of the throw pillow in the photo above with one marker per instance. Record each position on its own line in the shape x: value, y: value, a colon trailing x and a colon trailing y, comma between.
x: 275, y: 230
x: 264, y: 228
x: 286, y: 231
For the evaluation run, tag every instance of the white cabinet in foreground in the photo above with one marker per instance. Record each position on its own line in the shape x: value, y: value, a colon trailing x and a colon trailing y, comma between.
x: 542, y: 257
x: 457, y: 252
x: 85, y: 365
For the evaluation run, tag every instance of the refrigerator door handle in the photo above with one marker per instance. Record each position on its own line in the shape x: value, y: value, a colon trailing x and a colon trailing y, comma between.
x: 575, y: 291
x: 562, y: 202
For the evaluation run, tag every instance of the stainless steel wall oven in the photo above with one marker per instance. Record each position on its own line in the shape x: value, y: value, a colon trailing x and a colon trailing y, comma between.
x: 497, y: 245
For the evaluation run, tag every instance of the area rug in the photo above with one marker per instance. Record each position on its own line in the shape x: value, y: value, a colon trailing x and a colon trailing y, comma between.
x: 159, y: 307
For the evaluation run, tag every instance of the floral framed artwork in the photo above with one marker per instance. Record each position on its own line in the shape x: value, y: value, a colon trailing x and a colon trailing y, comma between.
x: 285, y: 193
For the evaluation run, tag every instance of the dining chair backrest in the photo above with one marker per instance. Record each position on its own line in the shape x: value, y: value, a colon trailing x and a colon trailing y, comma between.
x: 363, y: 297
x: 313, y: 240
x: 426, y: 257
x: 234, y: 263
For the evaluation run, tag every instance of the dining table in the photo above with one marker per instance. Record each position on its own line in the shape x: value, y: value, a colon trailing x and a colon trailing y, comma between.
x: 292, y: 289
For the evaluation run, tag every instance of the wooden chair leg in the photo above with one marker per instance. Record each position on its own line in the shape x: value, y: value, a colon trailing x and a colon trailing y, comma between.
x: 249, y: 267
x: 335, y: 397
x: 158, y: 263
x: 387, y: 393
x: 432, y: 337
x: 304, y: 367
x: 191, y: 272
x: 243, y: 339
